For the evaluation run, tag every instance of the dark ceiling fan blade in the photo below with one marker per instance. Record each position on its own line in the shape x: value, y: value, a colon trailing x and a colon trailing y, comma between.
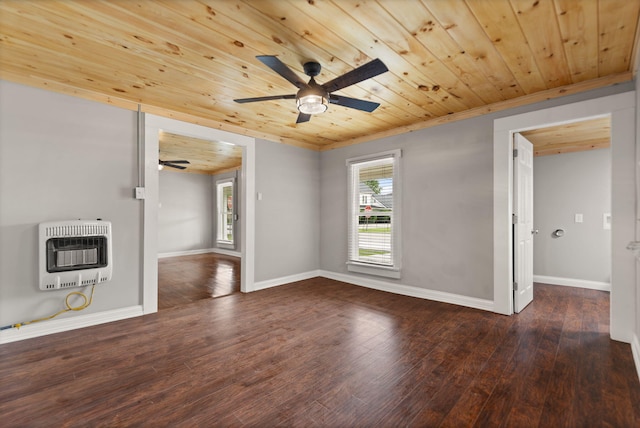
x: 174, y: 166
x: 303, y: 118
x: 353, y: 103
x: 364, y: 72
x: 175, y: 161
x: 281, y: 68
x: 269, y: 98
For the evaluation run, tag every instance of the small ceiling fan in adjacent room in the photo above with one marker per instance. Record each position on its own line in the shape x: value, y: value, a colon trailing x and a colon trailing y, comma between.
x: 312, y: 98
x: 173, y: 164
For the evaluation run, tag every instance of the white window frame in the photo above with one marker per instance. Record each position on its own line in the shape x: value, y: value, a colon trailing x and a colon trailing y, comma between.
x: 394, y: 270
x: 224, y: 243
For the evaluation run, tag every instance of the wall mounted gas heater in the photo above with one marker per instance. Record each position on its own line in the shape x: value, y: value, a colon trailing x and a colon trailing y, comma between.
x: 74, y: 253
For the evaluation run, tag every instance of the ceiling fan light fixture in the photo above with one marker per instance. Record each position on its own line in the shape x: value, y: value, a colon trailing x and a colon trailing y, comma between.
x: 313, y: 98
x: 312, y: 104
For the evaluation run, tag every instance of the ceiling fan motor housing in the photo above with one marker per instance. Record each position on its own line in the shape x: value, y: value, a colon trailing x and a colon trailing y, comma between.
x: 312, y: 68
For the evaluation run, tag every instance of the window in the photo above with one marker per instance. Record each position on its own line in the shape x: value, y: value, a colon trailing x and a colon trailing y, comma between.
x: 374, y: 220
x: 225, y: 217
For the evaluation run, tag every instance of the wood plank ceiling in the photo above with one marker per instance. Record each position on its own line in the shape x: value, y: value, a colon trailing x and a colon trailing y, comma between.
x: 447, y: 60
x: 572, y: 137
x: 205, y: 157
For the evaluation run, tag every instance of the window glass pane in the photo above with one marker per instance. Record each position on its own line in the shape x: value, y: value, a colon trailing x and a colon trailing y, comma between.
x: 371, y: 225
x: 225, y: 212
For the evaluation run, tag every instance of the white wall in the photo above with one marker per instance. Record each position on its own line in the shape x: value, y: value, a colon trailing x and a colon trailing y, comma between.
x: 564, y: 185
x: 288, y: 216
x: 185, y: 214
x: 64, y: 158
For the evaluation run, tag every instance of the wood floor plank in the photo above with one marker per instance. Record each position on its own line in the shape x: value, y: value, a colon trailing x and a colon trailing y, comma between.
x: 561, y: 390
x: 466, y: 410
x: 531, y: 387
x: 460, y: 377
x: 324, y: 353
x: 450, y: 359
x: 186, y: 279
x: 502, y: 400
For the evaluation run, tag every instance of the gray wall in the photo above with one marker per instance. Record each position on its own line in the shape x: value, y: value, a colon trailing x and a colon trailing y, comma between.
x: 288, y: 216
x: 637, y: 196
x: 64, y: 158
x: 564, y: 185
x: 446, y: 174
x: 447, y: 236
x: 185, y: 215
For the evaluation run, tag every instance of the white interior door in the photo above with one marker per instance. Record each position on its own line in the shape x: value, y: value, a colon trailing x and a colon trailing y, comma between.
x: 523, y: 223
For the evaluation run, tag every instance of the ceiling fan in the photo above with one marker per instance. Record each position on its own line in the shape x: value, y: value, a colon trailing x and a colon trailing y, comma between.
x: 173, y: 164
x: 312, y: 97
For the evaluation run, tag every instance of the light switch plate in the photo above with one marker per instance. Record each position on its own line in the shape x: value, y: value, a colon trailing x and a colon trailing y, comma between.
x: 139, y: 193
x: 578, y: 218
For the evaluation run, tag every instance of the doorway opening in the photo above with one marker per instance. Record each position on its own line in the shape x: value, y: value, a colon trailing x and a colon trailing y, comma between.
x: 198, y: 217
x: 565, y: 209
x: 201, y: 238
x: 621, y: 108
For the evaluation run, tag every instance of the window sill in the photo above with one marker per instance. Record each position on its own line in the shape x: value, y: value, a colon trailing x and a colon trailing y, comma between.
x: 225, y: 245
x: 387, y: 272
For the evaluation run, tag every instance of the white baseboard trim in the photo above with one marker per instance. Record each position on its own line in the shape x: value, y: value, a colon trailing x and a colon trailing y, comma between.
x: 570, y: 282
x: 407, y: 290
x: 65, y: 324
x: 233, y: 253
x: 635, y: 350
x: 261, y: 285
x: 185, y: 253
x: 202, y: 251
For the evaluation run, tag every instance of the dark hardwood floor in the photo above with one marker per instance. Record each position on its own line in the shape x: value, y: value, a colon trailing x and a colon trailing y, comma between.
x: 187, y: 279
x: 324, y: 353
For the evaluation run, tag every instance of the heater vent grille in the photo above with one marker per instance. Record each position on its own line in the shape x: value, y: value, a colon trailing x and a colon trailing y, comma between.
x: 74, y: 253
x: 76, y: 230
